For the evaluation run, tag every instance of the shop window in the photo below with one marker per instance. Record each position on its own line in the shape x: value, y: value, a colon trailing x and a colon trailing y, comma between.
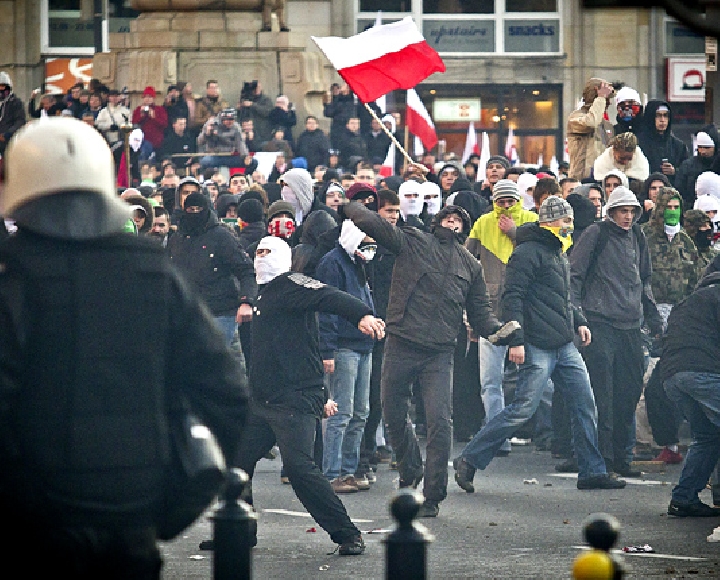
x: 531, y: 6
x: 532, y: 36
x: 460, y: 35
x: 385, y: 5
x: 682, y: 40
x: 458, y: 6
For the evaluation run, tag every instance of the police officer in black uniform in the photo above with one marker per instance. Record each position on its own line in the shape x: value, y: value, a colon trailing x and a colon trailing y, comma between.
x: 98, y: 333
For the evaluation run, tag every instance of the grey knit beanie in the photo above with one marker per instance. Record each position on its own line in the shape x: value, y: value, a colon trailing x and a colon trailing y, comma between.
x: 506, y: 188
x: 554, y: 208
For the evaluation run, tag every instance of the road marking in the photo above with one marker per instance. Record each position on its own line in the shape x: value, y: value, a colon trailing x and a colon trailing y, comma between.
x: 630, y: 480
x: 305, y: 515
x: 650, y: 555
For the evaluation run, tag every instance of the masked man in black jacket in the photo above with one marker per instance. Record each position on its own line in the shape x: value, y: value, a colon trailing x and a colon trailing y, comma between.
x: 434, y: 279
x: 286, y: 377
x: 537, y: 294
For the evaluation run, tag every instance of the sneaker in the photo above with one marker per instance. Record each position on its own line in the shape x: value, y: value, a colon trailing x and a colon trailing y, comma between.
x: 503, y: 334
x: 412, y: 482
x: 353, y: 546
x: 341, y: 485
x: 464, y: 474
x: 625, y: 470
x: 600, y: 482
x: 371, y: 477
x: 360, y: 481
x: 285, y: 480
x: 669, y: 456
x: 693, y: 510
x: 570, y: 466
x: 429, y: 509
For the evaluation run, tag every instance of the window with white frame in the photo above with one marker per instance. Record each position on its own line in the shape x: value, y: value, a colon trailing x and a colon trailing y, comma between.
x: 466, y: 27
x: 67, y: 26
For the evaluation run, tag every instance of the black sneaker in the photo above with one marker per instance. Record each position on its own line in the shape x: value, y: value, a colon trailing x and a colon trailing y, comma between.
x: 693, y: 510
x: 429, y: 509
x: 570, y: 466
x: 625, y: 470
x: 353, y: 546
x: 600, y: 482
x: 464, y: 474
x: 413, y: 482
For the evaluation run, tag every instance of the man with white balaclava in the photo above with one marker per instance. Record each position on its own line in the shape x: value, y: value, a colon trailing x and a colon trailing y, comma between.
x: 411, y: 204
x: 347, y: 358
x: 432, y: 198
x: 297, y: 190
x: 140, y: 150
x: 12, y: 112
x: 287, y: 379
x: 492, y: 241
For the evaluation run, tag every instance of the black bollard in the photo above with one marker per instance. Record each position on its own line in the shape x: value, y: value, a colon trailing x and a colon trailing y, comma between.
x: 602, y: 531
x: 406, y: 546
x: 234, y: 531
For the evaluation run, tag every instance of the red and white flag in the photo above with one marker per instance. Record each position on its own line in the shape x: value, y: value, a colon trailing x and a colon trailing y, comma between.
x: 382, y: 58
x: 418, y: 120
x: 471, y: 143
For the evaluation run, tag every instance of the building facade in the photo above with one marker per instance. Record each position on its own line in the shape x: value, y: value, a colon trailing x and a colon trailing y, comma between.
x: 511, y: 64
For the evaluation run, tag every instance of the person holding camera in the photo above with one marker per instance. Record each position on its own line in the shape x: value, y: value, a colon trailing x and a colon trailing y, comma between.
x: 222, y: 134
x: 255, y: 105
x: 207, y: 107
x: 150, y: 118
x: 109, y: 121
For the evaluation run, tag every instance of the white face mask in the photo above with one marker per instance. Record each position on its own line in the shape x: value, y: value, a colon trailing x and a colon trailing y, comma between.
x: 410, y: 206
x: 433, y: 205
x: 277, y: 262
x: 288, y: 195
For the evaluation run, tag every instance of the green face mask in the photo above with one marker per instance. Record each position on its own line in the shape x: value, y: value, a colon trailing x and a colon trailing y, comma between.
x: 671, y: 217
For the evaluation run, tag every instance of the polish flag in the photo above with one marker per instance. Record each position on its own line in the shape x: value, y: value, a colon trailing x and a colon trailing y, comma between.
x: 471, y: 144
x: 418, y: 120
x: 382, y: 58
x: 509, y: 143
x: 484, y: 157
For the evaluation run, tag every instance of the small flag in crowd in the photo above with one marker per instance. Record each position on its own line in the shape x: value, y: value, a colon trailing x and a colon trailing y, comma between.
x: 418, y: 120
x: 382, y: 58
x: 484, y: 157
x: 471, y: 143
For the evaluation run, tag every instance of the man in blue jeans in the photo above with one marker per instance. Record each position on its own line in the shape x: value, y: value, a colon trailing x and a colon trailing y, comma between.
x: 537, y: 295
x: 347, y: 358
x: 690, y: 365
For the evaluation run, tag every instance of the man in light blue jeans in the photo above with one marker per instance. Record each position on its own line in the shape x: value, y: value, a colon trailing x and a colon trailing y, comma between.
x: 537, y: 295
x: 347, y: 358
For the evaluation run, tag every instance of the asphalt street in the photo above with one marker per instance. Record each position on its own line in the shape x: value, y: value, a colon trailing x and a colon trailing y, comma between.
x: 508, y: 528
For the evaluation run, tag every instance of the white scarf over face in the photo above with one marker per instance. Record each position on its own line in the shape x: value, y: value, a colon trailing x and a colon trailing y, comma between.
x: 350, y: 238
x: 277, y: 262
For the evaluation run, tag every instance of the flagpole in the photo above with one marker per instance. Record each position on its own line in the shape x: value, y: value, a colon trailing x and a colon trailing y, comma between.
x: 407, y: 144
x: 389, y: 134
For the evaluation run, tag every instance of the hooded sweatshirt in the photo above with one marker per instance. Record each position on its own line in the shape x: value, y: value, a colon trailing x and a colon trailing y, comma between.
x: 616, y: 290
x: 675, y: 263
x: 301, y: 194
x: 658, y: 146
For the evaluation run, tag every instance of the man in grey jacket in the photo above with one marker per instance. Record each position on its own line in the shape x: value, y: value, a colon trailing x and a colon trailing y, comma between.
x: 610, y: 274
x: 434, y: 279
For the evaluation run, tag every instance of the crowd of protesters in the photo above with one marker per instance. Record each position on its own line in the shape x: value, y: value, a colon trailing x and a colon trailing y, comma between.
x: 528, y: 305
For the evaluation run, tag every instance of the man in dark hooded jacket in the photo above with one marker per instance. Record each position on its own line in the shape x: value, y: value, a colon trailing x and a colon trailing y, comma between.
x: 537, y: 294
x: 421, y: 340
x: 663, y: 150
x: 211, y: 259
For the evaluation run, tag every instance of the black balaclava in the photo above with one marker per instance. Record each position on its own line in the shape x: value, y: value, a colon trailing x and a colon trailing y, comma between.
x: 194, y: 223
